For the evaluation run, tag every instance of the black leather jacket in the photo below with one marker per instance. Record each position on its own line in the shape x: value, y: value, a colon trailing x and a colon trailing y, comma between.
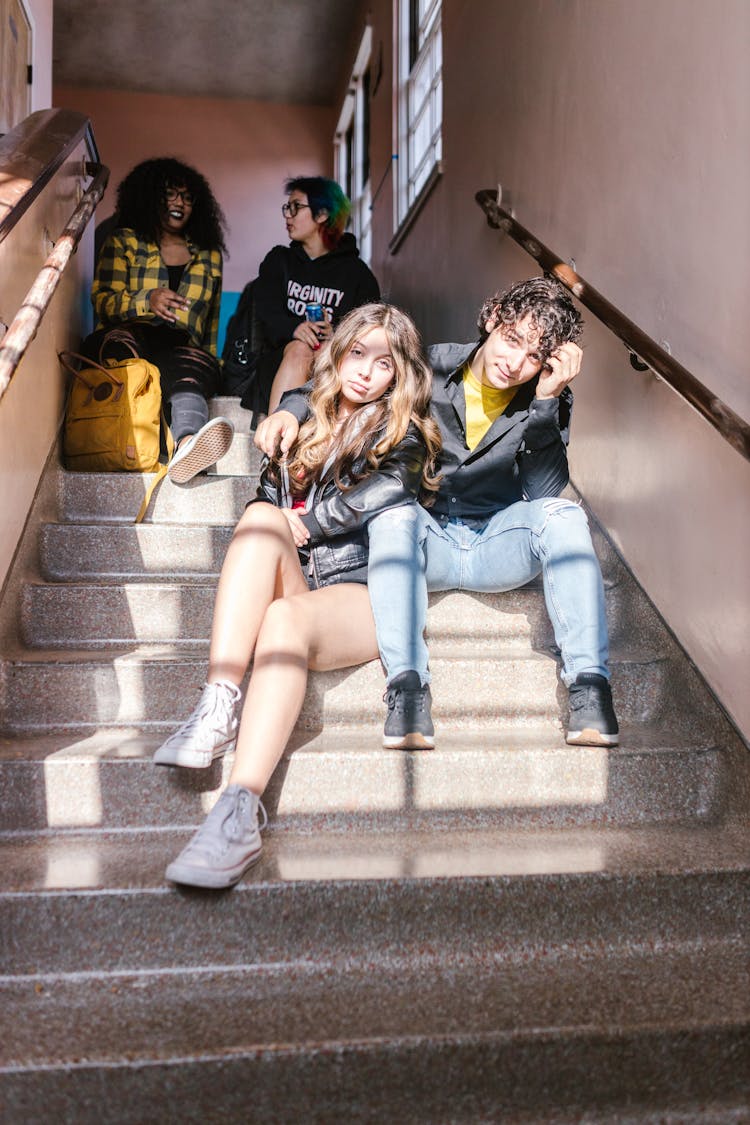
x: 338, y: 547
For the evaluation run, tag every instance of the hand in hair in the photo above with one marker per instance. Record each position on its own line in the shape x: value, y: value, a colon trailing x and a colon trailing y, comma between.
x: 561, y: 368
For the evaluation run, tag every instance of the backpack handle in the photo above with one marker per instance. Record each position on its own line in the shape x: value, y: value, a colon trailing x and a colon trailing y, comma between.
x: 119, y: 336
x: 65, y: 359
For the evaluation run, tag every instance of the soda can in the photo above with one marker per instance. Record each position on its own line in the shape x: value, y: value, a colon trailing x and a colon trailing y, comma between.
x: 314, y: 313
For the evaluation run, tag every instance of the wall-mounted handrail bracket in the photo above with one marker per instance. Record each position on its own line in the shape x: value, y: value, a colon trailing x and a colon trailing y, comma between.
x: 643, y: 350
x: 636, y: 362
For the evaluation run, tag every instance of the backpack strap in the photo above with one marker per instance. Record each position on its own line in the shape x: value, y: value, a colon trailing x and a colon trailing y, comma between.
x: 160, y: 473
x: 66, y: 361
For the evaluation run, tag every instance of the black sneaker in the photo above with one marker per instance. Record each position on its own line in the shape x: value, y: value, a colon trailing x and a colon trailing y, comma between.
x: 592, y: 717
x: 408, y: 724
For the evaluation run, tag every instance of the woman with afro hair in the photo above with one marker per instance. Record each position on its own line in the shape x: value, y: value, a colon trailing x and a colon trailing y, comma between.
x: 158, y: 275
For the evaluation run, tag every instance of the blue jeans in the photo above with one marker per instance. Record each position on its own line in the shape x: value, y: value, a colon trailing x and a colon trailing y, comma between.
x: 411, y: 553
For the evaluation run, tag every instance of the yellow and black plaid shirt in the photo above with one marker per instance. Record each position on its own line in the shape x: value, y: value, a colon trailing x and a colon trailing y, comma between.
x: 129, y: 268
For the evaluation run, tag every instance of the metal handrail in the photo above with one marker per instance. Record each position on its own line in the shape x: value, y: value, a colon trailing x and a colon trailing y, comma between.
x: 25, y: 324
x: 32, y: 152
x: 728, y: 423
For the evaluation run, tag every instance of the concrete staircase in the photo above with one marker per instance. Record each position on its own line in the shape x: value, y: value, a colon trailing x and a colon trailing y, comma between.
x: 506, y: 929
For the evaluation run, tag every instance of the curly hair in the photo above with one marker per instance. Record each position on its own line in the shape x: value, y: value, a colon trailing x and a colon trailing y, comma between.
x: 553, y: 314
x: 324, y: 195
x: 141, y: 198
x: 407, y: 400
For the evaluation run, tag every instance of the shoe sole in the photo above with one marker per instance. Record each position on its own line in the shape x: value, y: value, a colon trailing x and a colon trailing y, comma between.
x: 591, y: 737
x: 186, y: 762
x: 188, y: 876
x: 211, y: 445
x: 412, y: 741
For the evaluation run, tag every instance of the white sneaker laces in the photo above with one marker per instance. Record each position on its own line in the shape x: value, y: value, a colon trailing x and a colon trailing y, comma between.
x: 213, y: 705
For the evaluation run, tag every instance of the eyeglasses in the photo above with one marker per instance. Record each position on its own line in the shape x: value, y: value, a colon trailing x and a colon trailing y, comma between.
x: 292, y: 208
x: 173, y: 194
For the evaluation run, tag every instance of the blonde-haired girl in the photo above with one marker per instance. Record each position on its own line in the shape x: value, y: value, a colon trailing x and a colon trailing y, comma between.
x: 292, y: 593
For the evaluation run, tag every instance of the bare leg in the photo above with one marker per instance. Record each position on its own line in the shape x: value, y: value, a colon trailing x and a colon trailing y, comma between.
x: 293, y: 371
x: 261, y: 564
x: 322, y: 630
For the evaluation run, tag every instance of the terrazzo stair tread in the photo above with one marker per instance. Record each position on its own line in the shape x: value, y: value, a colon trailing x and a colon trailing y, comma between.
x: 668, y: 1080
x: 58, y: 614
x: 107, y: 498
x: 74, y: 549
x: 159, y: 683
x: 112, y: 1017
x: 82, y: 552
x: 242, y: 459
x: 228, y: 406
x: 339, y: 778
x: 76, y: 538
x: 356, y: 894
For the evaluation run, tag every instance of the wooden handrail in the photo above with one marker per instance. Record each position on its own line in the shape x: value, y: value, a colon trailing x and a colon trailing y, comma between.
x: 728, y: 423
x: 26, y: 321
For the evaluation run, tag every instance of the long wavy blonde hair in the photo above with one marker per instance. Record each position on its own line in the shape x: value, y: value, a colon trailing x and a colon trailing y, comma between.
x: 366, y: 438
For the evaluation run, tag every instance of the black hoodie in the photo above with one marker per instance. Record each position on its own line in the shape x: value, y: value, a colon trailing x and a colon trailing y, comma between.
x: 288, y: 280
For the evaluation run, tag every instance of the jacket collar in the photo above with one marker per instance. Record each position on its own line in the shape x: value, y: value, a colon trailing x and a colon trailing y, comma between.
x: 516, y: 410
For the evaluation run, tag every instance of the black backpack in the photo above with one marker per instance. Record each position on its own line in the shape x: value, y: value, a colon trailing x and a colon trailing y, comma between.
x: 241, y: 346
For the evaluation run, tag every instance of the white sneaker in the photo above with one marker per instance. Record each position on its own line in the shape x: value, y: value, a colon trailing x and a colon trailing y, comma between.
x: 210, y: 731
x: 225, y: 845
x: 201, y: 450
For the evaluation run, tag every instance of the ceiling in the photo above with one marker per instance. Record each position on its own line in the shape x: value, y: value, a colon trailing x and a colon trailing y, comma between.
x: 272, y: 50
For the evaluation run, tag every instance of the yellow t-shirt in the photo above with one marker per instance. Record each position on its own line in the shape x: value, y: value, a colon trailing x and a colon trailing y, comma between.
x: 483, y: 405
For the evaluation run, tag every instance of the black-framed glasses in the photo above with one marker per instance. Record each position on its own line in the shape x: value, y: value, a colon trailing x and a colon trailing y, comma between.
x: 173, y: 194
x: 292, y: 208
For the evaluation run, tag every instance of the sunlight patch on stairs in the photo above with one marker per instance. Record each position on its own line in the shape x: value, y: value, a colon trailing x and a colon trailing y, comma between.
x: 447, y: 781
x: 505, y: 780
x: 72, y: 785
x: 525, y: 858
x: 76, y: 868
x: 73, y: 795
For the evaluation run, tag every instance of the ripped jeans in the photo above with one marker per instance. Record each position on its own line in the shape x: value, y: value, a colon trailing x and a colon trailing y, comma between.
x: 411, y: 553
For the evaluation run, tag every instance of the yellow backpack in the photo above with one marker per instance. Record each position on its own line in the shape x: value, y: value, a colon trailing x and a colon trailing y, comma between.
x: 113, y: 416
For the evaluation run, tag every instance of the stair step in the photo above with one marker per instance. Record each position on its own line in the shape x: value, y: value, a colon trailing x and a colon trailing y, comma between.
x: 343, y: 777
x: 78, y: 549
x: 116, y: 497
x: 228, y: 406
x: 198, y: 1013
x: 76, y: 615
x: 458, y: 1042
x: 158, y: 684
x: 241, y: 459
x: 327, y: 896
x: 126, y: 551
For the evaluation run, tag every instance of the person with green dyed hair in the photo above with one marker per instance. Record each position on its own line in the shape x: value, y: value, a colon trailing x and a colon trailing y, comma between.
x: 320, y: 266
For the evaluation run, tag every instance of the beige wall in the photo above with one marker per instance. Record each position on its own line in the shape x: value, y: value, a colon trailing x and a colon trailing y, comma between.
x: 28, y: 419
x: 245, y: 149
x: 621, y: 132
x: 31, y: 409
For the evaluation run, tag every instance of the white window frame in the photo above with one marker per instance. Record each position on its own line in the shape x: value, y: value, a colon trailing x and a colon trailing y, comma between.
x: 351, y: 122
x: 418, y: 79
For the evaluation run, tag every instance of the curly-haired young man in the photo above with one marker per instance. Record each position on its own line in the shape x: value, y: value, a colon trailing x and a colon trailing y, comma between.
x: 503, y: 406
